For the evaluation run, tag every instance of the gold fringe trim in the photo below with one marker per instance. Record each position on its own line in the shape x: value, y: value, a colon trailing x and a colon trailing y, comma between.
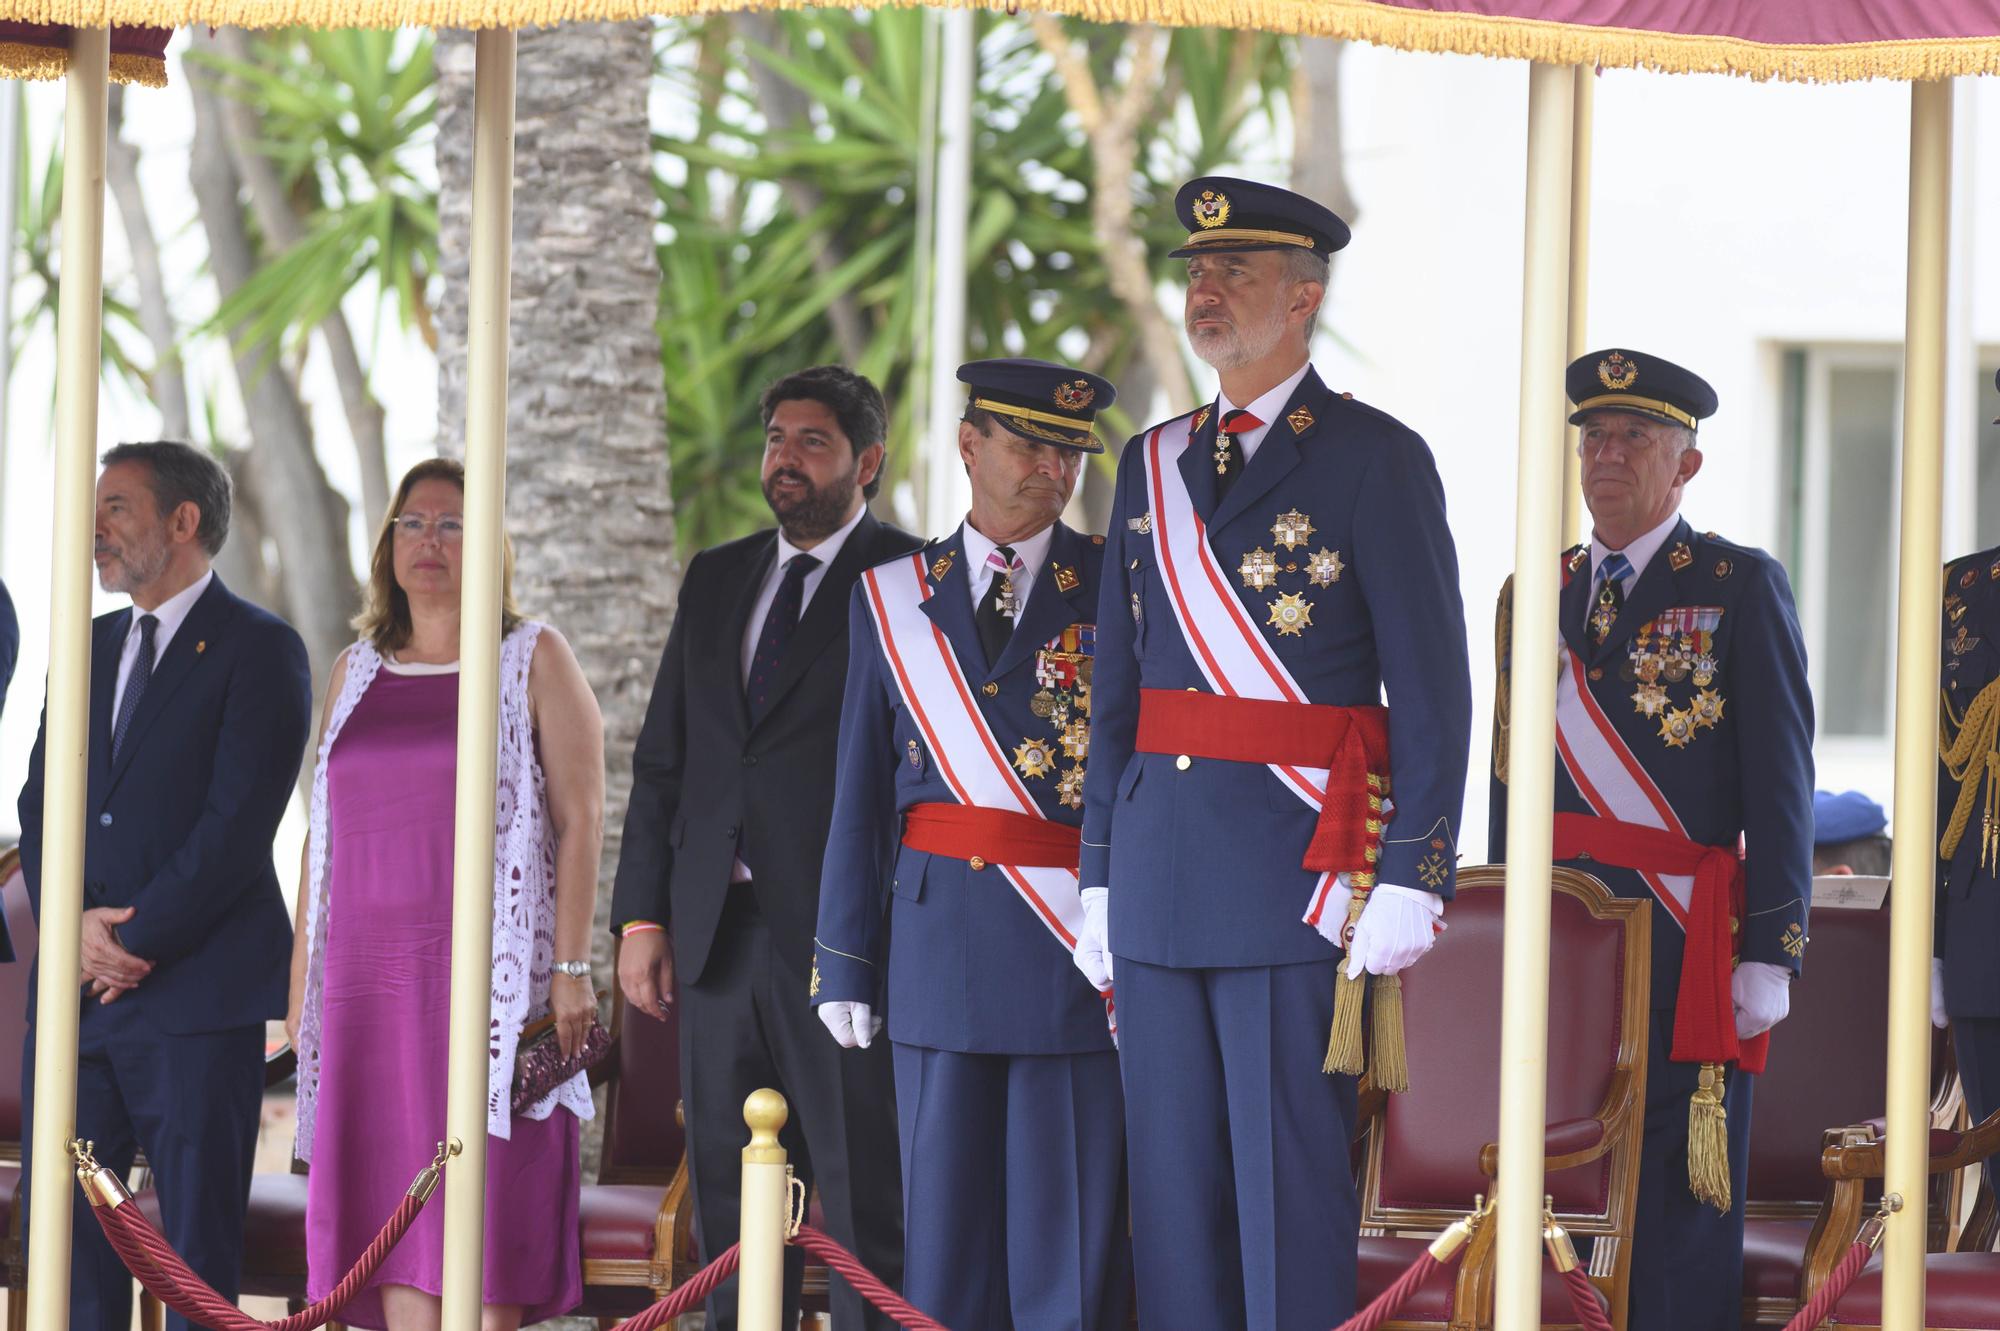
x: 25, y: 60
x: 1708, y: 1140
x: 146, y: 71
x: 1343, y: 1043
x: 1388, y: 1059
x: 1500, y: 36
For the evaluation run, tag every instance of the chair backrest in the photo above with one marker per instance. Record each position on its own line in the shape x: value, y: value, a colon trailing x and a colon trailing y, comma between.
x: 643, y: 1138
x: 1829, y: 1060
x: 1424, y: 1155
x: 14, y: 997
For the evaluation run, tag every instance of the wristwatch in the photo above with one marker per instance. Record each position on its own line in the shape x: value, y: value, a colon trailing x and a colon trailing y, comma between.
x: 576, y: 970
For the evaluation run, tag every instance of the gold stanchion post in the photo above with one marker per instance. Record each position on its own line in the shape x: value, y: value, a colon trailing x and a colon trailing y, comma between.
x: 1579, y: 285
x: 79, y: 325
x: 765, y: 1216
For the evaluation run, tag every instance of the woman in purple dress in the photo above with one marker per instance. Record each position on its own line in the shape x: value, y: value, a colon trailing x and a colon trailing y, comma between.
x: 371, y: 960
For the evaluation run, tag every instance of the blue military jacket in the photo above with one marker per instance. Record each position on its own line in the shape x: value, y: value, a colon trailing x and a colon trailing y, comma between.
x: 1743, y: 775
x: 1968, y: 895
x: 1203, y: 862
x: 971, y: 968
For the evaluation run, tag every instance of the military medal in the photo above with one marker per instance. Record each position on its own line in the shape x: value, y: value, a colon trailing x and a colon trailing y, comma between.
x: 1292, y: 530
x: 1324, y: 568
x: 1649, y: 699
x: 1075, y: 740
x: 1069, y: 788
x: 1033, y: 758
x: 1005, y: 601
x: 1677, y: 727
x: 1291, y: 615
x: 1043, y: 704
x: 1707, y: 708
x: 1604, y: 614
x: 1259, y: 569
x: 1222, y: 443
x: 916, y: 756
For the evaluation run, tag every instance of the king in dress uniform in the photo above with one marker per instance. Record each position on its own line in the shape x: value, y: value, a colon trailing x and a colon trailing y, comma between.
x: 1684, y: 730
x: 965, y: 736
x: 1965, y: 985
x: 1275, y: 560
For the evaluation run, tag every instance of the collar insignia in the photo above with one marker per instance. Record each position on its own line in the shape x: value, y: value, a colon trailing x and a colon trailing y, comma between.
x: 1300, y: 421
x: 1066, y: 579
x: 941, y: 566
x: 1681, y: 556
x: 1200, y: 419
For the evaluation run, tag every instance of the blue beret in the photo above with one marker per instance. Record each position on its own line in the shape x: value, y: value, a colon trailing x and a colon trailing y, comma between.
x: 1040, y: 400
x: 1848, y: 816
x: 1225, y: 215
x: 1619, y: 379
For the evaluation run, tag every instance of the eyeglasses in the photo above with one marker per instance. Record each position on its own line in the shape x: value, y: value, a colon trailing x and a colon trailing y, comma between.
x: 412, y: 528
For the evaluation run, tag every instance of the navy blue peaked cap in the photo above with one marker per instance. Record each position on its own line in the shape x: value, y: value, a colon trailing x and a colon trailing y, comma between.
x: 1619, y: 379
x: 1040, y: 400
x: 1225, y: 215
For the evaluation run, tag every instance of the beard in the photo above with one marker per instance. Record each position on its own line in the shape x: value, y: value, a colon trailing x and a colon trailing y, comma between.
x: 1237, y: 346
x: 132, y: 566
x: 815, y: 512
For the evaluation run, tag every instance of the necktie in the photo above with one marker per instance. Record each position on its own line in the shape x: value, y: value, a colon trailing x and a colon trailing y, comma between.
x: 135, y: 686
x: 997, y: 608
x: 1611, y: 575
x: 778, y: 626
x: 1229, y: 453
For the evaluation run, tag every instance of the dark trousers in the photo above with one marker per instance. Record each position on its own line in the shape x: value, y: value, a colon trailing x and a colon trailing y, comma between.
x: 1687, y: 1257
x: 1244, y: 1214
x: 1976, y: 1041
x: 1014, y: 1190
x: 191, y: 1102
x: 747, y: 1025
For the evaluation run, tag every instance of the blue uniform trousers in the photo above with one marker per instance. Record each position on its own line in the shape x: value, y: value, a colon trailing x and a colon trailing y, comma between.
x: 191, y: 1102
x: 1244, y: 1214
x: 1687, y: 1257
x: 1976, y: 1040
x: 1031, y: 1235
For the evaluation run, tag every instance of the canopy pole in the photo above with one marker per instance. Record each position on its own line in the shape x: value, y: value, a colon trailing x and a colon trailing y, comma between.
x: 79, y: 325
x: 946, y: 491
x: 1579, y: 285
x: 1524, y: 990
x: 479, y: 669
x: 1910, y: 905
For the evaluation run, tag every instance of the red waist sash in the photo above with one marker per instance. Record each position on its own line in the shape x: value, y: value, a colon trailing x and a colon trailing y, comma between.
x: 1351, y: 743
x: 991, y: 836
x: 1704, y: 1014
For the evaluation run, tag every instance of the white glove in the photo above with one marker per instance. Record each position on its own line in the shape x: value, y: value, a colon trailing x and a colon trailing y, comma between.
x: 1093, y: 941
x: 1397, y: 926
x: 1940, y: 1018
x: 1762, y: 996
x: 852, y: 1024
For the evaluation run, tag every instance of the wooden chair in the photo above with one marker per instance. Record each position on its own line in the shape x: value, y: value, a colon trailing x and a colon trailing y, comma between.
x: 13, y: 1038
x: 1826, y: 1070
x: 1429, y: 1151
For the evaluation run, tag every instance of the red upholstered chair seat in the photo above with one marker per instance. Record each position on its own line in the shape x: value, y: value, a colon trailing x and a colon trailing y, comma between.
x: 1774, y: 1252
x: 1961, y: 1291
x: 1383, y: 1259
x: 617, y: 1220
x: 274, y: 1234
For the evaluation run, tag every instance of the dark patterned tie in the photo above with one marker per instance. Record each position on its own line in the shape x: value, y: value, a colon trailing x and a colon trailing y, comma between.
x: 778, y: 626
x: 1229, y: 453
x: 997, y: 608
x: 135, y: 686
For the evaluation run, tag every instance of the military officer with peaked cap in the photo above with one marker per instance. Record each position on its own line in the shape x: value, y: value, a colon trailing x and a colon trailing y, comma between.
x: 1275, y: 561
x: 1684, y: 728
x: 965, y: 736
x: 1965, y: 985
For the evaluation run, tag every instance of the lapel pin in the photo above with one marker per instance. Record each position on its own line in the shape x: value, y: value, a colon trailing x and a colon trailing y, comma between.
x: 201, y: 647
x: 1066, y: 578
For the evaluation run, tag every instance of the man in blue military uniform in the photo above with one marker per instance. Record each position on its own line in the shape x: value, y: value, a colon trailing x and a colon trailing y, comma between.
x: 1275, y: 560
x: 965, y: 735
x: 1965, y: 985
x: 1683, y: 728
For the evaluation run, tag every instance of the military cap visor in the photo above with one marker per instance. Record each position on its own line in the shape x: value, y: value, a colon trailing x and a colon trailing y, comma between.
x: 1617, y: 379
x: 1225, y: 215
x: 1040, y: 400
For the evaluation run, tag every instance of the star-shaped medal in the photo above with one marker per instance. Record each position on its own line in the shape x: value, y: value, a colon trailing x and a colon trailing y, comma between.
x: 1291, y: 615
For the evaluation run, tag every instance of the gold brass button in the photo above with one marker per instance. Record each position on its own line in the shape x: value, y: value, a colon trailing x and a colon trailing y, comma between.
x: 1184, y: 762
x: 1597, y: 672
x: 976, y: 862
x: 989, y: 689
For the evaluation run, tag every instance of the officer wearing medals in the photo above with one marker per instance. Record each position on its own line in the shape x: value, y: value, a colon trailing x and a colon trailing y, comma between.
x: 1684, y: 729
x: 1275, y: 560
x: 1965, y: 985
x: 965, y: 735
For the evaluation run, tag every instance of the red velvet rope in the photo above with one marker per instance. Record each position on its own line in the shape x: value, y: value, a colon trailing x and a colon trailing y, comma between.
x: 1828, y: 1294
x: 1584, y: 1298
x: 864, y: 1281
x: 683, y: 1300
x: 1391, y: 1300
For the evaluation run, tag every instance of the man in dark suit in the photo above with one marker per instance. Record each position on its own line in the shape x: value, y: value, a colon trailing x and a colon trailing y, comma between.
x: 10, y: 651
x: 1684, y: 729
x: 199, y: 709
x: 732, y: 794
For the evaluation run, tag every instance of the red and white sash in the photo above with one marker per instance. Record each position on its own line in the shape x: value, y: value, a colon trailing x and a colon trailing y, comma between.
x: 934, y: 688
x: 1230, y: 650
x: 1611, y: 779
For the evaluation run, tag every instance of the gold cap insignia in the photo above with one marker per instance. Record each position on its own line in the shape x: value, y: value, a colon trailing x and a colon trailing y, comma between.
x: 1300, y: 421
x: 1211, y: 209
x: 1681, y: 556
x: 941, y: 566
x: 1617, y: 373
x: 1075, y: 396
x: 1066, y: 578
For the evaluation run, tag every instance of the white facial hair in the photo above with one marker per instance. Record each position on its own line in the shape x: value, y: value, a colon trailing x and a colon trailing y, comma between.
x: 1240, y: 345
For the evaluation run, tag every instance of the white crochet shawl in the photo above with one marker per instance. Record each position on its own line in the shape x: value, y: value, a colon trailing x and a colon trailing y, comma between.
x: 524, y: 879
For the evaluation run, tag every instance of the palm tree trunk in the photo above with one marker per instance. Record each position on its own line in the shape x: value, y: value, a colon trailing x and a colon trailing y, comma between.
x: 587, y: 499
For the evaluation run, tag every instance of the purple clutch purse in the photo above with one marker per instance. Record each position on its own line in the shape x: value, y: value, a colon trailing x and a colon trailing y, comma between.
x: 539, y: 1065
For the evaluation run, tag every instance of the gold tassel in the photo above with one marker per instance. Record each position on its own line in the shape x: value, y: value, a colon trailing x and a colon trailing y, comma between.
x: 1708, y: 1141
x: 1388, y: 1060
x: 1343, y: 1042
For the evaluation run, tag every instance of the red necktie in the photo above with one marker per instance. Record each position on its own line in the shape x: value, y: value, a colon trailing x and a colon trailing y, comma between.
x: 1229, y: 453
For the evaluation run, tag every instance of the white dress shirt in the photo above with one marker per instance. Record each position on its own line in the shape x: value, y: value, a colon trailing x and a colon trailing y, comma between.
x: 825, y: 552
x: 1266, y: 408
x: 1031, y: 551
x: 171, y: 613
x: 1639, y: 553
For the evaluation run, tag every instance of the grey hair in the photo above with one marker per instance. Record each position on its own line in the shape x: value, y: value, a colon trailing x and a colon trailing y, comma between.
x: 1307, y: 265
x: 183, y: 474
